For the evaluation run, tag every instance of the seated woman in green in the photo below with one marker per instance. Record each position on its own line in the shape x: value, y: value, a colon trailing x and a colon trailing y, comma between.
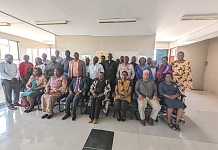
x: 36, y: 83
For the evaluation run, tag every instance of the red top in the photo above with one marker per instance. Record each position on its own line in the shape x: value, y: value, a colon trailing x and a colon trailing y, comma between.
x: 23, y: 68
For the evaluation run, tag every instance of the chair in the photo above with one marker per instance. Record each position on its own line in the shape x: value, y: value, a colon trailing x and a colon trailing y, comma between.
x: 164, y: 113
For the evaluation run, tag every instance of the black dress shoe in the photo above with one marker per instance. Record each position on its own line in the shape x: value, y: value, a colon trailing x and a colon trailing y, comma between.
x: 65, y: 117
x: 44, y: 116
x: 73, y: 118
x: 123, y: 119
x: 118, y: 118
x: 49, y: 116
x: 28, y: 110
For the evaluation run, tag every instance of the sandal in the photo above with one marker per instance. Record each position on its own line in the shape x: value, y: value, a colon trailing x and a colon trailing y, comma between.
x: 177, y: 127
x: 172, y: 126
x: 44, y: 116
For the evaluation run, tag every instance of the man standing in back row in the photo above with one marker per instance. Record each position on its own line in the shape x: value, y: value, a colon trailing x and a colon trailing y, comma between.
x: 58, y: 58
x: 66, y: 62
x: 75, y: 66
x: 110, y: 73
x: 9, y: 76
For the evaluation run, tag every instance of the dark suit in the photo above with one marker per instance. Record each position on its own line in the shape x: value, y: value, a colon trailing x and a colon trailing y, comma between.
x: 110, y: 70
x: 75, y: 99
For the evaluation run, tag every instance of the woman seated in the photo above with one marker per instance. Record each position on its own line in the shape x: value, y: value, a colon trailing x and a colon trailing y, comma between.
x: 170, y: 92
x: 55, y: 88
x: 99, y: 89
x: 122, y: 98
x: 36, y: 83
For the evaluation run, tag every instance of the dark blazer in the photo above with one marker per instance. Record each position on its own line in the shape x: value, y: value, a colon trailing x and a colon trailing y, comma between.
x: 82, y: 85
x: 110, y: 69
x: 81, y: 67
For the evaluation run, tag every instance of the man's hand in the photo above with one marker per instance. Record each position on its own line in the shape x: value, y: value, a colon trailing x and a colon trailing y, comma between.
x: 14, y: 80
x: 100, y: 95
x: 77, y: 94
x: 140, y: 97
x: 94, y: 95
x: 71, y: 93
x: 155, y: 98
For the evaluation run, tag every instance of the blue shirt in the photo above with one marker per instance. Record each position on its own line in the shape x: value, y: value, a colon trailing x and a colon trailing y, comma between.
x: 139, y: 71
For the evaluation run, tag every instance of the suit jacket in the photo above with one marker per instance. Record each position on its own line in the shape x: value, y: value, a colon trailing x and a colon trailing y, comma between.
x: 82, y: 85
x: 110, y: 69
x: 81, y: 67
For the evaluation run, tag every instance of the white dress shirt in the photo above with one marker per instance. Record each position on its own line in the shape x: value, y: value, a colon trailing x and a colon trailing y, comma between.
x: 94, y: 70
x: 87, y: 70
x: 8, y: 71
x: 153, y: 70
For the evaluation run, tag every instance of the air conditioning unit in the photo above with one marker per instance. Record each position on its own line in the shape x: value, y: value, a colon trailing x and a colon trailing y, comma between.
x: 117, y: 20
x: 199, y: 17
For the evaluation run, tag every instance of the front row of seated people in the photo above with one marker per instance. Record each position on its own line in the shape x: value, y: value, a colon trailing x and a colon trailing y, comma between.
x: 145, y: 89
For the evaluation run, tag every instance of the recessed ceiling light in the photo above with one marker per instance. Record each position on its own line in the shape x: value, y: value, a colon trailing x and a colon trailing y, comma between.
x: 199, y: 17
x: 50, y: 22
x: 5, y: 24
x: 117, y: 20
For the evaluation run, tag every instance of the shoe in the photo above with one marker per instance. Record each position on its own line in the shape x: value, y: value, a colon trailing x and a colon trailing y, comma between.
x: 11, y: 107
x: 143, y: 122
x: 16, y: 104
x: 28, y: 110
x: 90, y: 121
x: 44, y: 116
x: 66, y: 116
x: 118, y: 118
x: 95, y: 121
x: 49, y: 116
x: 74, y: 118
x: 150, y: 121
x: 123, y: 119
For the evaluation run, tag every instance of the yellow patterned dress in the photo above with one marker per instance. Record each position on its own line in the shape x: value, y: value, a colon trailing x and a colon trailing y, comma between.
x: 123, y: 88
x: 182, y: 75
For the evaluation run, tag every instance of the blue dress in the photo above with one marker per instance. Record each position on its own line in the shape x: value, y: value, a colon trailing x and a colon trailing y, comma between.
x: 170, y: 89
x: 32, y: 94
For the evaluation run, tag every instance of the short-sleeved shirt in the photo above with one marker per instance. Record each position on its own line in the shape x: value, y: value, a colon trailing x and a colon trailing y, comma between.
x: 94, y: 70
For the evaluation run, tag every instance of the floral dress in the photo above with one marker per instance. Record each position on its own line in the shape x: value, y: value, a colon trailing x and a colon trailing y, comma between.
x: 182, y: 75
x: 48, y: 100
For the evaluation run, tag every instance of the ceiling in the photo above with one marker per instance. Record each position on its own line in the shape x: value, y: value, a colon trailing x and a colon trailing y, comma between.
x: 155, y: 17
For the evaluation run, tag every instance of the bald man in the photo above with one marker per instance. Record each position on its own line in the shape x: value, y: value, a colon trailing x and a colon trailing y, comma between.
x: 146, y: 91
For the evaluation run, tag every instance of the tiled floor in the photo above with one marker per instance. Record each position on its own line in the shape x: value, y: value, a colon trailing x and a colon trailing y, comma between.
x: 28, y: 131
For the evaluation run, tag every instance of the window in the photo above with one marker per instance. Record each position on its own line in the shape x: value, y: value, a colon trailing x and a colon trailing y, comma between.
x: 9, y: 47
x: 33, y: 53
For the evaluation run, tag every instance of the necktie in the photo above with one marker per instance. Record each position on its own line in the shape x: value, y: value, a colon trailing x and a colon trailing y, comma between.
x: 77, y: 85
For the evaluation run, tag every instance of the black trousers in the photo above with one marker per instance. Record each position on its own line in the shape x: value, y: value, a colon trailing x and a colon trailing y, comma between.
x: 75, y: 100
x: 121, y: 105
x: 96, y: 104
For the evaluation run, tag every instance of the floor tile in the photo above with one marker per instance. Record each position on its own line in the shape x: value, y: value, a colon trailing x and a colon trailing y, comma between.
x: 13, y: 143
x: 205, y: 146
x: 2, y: 137
x: 31, y: 130
x: 70, y: 135
x: 129, y: 126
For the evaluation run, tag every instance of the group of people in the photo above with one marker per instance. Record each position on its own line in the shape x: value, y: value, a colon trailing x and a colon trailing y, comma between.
x: 77, y: 78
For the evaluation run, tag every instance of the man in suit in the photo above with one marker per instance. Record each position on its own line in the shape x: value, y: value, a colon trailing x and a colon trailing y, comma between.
x: 75, y: 66
x: 76, y: 89
x: 110, y: 73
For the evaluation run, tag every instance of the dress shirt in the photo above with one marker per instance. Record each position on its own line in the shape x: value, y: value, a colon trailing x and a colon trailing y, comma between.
x: 78, y: 85
x: 8, y: 71
x: 59, y: 60
x: 66, y: 63
x: 87, y: 70
x: 154, y: 70
x: 94, y: 70
x: 75, y: 67
x: 45, y: 62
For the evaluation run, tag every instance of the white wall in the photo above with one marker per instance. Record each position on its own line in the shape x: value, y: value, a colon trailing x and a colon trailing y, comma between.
x: 197, y: 55
x: 117, y: 45
x: 162, y: 45
x: 211, y: 73
x: 24, y: 43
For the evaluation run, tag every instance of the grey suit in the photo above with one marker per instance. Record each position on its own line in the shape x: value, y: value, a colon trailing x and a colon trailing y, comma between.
x: 75, y: 99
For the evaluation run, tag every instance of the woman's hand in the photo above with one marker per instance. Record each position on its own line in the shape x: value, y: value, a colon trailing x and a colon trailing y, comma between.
x: 140, y: 97
x: 94, y: 95
x: 100, y: 95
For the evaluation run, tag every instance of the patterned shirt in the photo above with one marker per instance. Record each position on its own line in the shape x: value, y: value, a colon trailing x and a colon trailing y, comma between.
x: 128, y: 68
